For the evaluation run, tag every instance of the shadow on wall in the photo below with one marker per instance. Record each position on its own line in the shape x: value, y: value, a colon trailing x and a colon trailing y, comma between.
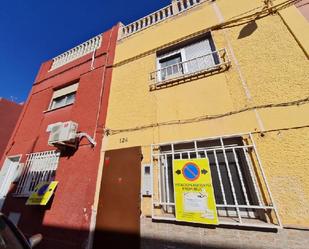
x: 248, y: 30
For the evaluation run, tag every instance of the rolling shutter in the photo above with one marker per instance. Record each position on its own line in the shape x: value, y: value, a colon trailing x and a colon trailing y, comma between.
x: 199, y: 56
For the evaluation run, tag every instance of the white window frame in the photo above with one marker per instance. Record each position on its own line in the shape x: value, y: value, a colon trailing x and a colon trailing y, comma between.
x: 184, y: 62
x: 63, y: 93
x: 166, y: 56
x: 39, y: 167
x: 229, y: 214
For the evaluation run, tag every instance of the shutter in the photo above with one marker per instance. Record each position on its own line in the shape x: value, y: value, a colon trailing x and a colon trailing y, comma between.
x: 7, y: 174
x: 3, y: 176
x: 193, y: 54
x: 6, y: 178
x: 65, y: 91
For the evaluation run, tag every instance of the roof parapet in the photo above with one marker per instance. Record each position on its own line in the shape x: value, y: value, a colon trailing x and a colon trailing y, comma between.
x: 77, y: 52
x: 177, y: 6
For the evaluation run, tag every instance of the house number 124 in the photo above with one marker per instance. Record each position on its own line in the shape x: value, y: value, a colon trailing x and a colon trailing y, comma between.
x: 123, y: 140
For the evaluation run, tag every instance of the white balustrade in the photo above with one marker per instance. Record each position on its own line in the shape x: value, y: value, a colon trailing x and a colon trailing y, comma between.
x: 176, y: 7
x: 77, y: 52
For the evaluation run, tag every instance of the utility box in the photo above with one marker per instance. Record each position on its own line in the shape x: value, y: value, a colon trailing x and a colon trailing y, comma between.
x: 62, y: 133
x: 146, y: 180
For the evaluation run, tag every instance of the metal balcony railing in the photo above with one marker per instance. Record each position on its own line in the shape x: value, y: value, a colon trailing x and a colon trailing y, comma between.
x: 215, y: 60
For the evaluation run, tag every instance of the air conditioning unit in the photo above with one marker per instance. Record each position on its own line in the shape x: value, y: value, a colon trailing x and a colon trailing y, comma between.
x: 62, y: 133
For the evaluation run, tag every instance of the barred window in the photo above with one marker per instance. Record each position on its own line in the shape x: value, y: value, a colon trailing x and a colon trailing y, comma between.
x: 240, y: 187
x: 39, y: 167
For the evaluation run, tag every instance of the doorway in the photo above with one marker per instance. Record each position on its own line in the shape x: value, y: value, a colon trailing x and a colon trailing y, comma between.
x: 8, y: 174
x: 118, y: 218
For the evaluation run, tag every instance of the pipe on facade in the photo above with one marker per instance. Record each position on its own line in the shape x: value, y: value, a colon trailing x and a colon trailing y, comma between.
x: 90, y: 139
x: 94, y: 207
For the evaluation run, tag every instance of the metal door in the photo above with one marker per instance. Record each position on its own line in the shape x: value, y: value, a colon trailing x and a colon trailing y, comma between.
x: 118, y: 218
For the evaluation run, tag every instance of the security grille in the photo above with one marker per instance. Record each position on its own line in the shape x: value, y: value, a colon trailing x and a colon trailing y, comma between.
x: 39, y: 167
x: 241, y: 190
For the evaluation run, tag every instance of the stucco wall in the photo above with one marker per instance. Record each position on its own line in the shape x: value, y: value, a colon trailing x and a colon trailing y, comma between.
x: 285, y: 161
x: 303, y: 7
x: 9, y: 114
x: 267, y: 61
x: 65, y: 221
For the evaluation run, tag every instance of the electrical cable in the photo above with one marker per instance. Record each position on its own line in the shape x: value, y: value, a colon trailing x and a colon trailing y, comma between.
x: 109, y: 131
x: 227, y: 24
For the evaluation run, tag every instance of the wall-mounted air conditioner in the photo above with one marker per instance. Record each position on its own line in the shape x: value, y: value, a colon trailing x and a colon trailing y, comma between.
x: 62, y: 133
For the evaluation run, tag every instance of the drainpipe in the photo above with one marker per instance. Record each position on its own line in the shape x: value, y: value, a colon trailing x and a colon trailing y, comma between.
x: 95, y: 205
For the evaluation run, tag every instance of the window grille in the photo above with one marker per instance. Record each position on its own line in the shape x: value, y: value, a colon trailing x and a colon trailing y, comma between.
x: 241, y: 191
x: 39, y: 167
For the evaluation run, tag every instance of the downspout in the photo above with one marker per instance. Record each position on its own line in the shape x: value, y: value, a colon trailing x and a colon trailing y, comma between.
x: 103, y: 85
x: 92, y: 60
x: 95, y: 205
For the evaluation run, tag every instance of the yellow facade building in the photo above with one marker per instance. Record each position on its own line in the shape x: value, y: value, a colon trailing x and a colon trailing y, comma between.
x: 226, y: 81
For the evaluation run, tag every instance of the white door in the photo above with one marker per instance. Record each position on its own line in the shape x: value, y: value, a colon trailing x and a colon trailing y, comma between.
x: 8, y: 174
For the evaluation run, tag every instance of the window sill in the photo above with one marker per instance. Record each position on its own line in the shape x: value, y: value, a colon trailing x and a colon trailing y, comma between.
x: 61, y: 107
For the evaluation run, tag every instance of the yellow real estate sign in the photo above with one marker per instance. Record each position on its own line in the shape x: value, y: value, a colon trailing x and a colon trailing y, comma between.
x: 42, y: 193
x: 194, y: 194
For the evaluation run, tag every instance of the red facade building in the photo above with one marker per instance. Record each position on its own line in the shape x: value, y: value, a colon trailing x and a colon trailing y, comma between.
x: 69, y: 98
x: 9, y: 113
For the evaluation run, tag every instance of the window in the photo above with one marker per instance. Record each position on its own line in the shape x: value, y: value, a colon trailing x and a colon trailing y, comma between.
x: 63, y: 97
x: 39, y: 167
x: 171, y: 66
x: 63, y: 101
x: 241, y: 191
x: 193, y: 57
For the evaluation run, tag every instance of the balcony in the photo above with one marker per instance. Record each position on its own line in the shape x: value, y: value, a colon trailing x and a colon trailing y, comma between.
x: 215, y: 61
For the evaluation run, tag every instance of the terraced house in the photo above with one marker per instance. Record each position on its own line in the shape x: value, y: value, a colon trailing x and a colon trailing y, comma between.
x: 206, y: 138
x: 187, y: 128
x: 56, y: 143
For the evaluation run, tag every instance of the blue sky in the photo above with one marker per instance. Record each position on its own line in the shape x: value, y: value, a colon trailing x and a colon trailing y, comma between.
x: 34, y: 31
